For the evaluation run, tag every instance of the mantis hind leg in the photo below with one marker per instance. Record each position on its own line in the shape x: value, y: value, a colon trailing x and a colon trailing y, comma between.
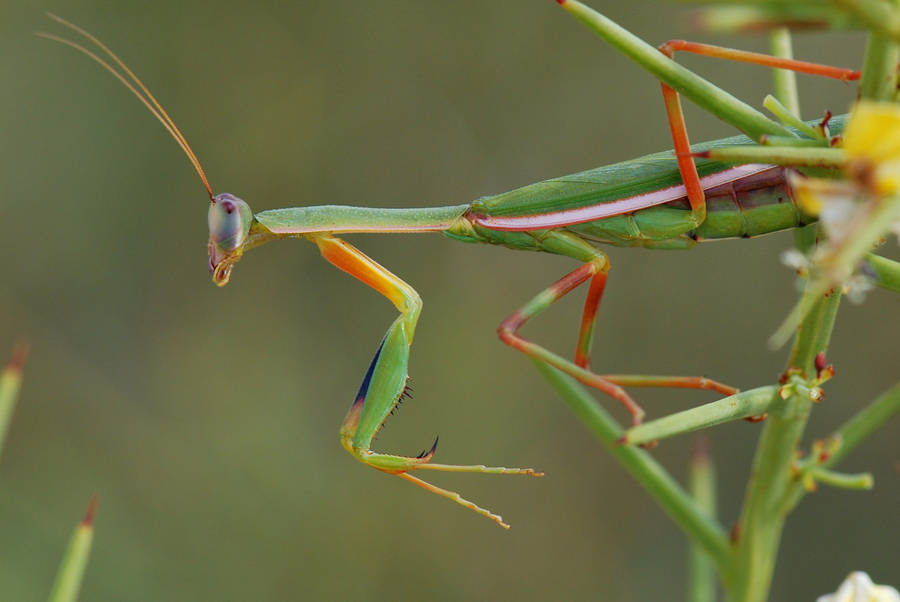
x: 638, y: 51
x: 675, y: 115
x: 385, y: 384
x: 595, y: 268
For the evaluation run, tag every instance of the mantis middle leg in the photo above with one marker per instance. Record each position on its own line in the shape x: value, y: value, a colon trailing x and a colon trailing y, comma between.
x: 595, y: 268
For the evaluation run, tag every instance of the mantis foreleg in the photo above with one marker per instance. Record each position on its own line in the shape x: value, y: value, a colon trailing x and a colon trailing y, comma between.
x: 385, y: 382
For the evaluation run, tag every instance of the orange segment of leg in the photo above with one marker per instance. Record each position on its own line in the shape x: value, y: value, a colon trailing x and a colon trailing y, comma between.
x: 508, y: 331
x: 613, y: 384
x: 351, y: 260
x: 588, y: 320
x: 682, y: 145
x: 586, y: 377
x: 671, y: 382
x: 756, y: 58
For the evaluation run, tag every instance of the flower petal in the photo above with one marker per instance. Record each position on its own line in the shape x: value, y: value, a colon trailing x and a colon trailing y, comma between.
x: 873, y: 132
x: 858, y: 587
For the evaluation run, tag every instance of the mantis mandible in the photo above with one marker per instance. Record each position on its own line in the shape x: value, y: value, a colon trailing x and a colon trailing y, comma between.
x: 660, y: 201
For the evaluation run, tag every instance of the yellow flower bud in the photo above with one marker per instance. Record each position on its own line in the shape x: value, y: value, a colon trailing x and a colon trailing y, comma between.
x: 872, y: 144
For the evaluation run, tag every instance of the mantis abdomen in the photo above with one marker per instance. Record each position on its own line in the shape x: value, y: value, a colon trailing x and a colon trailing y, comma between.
x: 641, y: 202
x: 757, y: 204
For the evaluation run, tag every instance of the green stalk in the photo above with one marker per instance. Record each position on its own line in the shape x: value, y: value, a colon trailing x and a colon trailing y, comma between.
x: 886, y: 272
x: 704, y: 93
x: 842, y: 261
x: 796, y: 142
x: 878, y: 15
x: 879, y: 78
x: 773, y: 489
x: 744, y: 18
x: 779, y: 155
x: 788, y: 117
x: 763, y: 516
x: 785, y: 83
x: 701, y: 570
x: 10, y: 383
x: 862, y: 425
x: 853, y: 432
x: 859, y: 481
x: 745, y: 404
x: 702, y: 529
x: 71, y: 569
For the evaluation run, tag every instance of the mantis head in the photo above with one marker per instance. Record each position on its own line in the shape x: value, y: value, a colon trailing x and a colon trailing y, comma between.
x: 229, y: 217
x: 229, y: 225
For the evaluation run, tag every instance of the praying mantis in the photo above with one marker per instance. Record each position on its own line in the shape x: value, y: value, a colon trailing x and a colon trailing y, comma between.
x: 661, y: 201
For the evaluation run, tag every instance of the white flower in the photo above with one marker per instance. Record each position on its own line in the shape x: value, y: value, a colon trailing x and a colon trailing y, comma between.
x: 857, y: 286
x: 838, y: 204
x: 857, y: 587
x: 838, y: 217
x: 795, y: 260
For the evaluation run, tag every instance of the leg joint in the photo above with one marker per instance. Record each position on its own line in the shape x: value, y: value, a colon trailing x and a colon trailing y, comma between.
x: 669, y: 48
x: 508, y: 327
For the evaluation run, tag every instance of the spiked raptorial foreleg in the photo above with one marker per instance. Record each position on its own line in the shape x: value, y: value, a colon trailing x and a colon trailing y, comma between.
x: 386, y: 381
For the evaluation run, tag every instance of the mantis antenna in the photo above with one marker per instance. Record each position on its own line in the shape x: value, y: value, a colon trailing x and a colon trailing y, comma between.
x: 136, y: 86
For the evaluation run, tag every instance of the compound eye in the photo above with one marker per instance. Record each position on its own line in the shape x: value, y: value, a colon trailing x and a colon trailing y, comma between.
x: 229, y: 222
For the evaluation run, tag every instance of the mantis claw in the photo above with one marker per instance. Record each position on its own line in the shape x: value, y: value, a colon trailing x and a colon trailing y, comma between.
x: 429, y: 453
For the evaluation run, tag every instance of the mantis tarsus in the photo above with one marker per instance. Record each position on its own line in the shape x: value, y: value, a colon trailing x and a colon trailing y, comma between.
x: 662, y: 201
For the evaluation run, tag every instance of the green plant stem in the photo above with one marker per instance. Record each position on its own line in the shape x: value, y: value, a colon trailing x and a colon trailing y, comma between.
x: 785, y: 82
x: 786, y: 116
x: 886, y: 272
x: 862, y: 425
x: 763, y: 516
x: 10, y: 383
x: 774, y: 489
x: 702, y: 529
x: 705, y: 94
x: 853, y: 432
x: 745, y: 404
x: 780, y: 155
x: 862, y: 480
x: 701, y: 570
x: 879, y: 77
x: 741, y: 18
x: 880, y: 16
x: 843, y: 261
x: 74, y: 562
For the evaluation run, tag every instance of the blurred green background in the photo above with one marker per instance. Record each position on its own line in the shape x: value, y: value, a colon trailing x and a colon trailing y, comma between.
x: 207, y: 419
